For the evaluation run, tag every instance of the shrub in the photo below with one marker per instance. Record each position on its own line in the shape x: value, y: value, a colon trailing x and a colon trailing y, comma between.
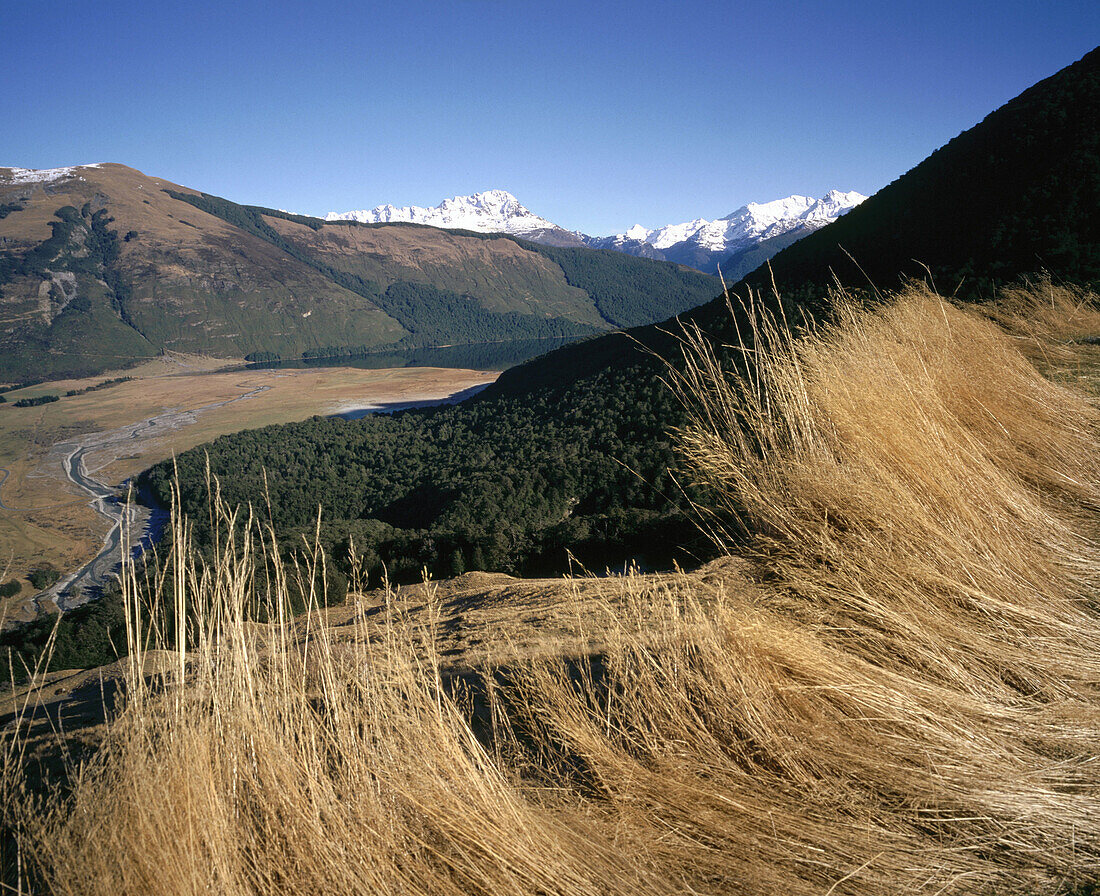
x: 43, y: 576
x: 35, y: 402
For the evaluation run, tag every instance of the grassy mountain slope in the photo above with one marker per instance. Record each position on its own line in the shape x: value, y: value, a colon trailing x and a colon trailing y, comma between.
x: 146, y: 265
x: 506, y: 276
x: 178, y: 279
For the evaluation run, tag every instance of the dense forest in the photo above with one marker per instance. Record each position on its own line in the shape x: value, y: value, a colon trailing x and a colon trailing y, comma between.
x: 84, y: 637
x: 519, y: 484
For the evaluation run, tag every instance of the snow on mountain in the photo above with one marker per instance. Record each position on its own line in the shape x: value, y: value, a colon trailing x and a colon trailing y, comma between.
x: 752, y: 223
x: 494, y: 211
x: 44, y: 175
x: 700, y: 243
x: 671, y: 234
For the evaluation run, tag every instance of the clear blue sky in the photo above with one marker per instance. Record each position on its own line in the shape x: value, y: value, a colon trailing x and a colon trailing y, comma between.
x: 596, y: 115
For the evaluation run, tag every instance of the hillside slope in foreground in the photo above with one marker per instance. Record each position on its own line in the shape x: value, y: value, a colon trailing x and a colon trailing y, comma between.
x: 895, y: 690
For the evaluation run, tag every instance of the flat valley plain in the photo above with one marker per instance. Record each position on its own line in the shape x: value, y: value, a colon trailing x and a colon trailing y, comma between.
x: 167, y: 406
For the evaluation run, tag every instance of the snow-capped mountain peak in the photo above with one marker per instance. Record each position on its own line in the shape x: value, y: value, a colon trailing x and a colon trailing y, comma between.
x: 700, y: 243
x: 751, y: 223
x: 491, y: 211
x: 703, y: 244
x: 835, y: 203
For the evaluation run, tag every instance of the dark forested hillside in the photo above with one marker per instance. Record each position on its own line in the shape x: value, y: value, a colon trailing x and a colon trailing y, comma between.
x: 624, y: 293
x: 509, y: 484
x: 1016, y: 193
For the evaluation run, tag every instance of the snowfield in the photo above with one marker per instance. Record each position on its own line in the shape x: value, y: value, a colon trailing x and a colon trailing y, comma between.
x: 42, y: 175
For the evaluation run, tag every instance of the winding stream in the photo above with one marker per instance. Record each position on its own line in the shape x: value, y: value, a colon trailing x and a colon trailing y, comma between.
x: 144, y: 526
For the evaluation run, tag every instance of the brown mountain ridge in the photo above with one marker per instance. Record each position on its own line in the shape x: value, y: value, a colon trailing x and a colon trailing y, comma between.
x: 101, y: 265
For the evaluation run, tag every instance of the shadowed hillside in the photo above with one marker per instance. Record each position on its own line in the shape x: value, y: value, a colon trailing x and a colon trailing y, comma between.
x: 1017, y: 193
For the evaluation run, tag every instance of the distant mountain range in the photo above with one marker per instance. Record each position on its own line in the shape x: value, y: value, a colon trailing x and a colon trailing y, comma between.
x: 101, y: 266
x: 494, y: 211
x: 739, y: 242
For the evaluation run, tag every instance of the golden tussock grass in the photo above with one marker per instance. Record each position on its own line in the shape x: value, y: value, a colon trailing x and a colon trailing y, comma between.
x: 897, y: 694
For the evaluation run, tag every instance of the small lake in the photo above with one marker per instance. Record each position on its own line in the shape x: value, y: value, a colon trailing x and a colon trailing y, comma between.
x: 389, y: 407
x: 473, y: 356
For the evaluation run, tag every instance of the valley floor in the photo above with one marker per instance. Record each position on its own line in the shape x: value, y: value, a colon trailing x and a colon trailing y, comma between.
x: 58, y: 461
